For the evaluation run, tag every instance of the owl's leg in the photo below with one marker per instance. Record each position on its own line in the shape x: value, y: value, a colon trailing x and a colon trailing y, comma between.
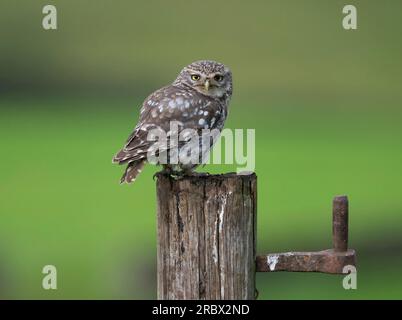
x: 197, y: 174
x: 176, y: 172
x: 170, y: 171
x: 167, y: 171
x: 192, y: 173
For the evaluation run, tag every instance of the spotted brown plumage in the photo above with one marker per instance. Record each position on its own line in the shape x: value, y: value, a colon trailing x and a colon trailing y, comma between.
x: 198, y: 99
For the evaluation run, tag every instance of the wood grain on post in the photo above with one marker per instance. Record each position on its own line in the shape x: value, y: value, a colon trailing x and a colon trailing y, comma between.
x: 206, y: 236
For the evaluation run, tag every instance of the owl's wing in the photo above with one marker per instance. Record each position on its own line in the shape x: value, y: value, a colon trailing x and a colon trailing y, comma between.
x: 137, y: 144
x: 189, y: 110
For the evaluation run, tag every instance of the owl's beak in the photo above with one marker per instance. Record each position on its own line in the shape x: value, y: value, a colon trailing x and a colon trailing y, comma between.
x: 206, y: 85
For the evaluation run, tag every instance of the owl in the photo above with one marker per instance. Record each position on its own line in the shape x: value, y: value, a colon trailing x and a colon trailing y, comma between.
x: 197, y: 99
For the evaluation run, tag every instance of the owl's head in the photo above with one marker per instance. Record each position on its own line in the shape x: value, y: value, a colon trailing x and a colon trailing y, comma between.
x: 208, y: 77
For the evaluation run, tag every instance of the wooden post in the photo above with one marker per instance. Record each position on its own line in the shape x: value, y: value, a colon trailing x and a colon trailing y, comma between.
x: 206, y: 236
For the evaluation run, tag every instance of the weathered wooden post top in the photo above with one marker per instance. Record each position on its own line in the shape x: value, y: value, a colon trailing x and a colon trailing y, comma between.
x: 207, y: 239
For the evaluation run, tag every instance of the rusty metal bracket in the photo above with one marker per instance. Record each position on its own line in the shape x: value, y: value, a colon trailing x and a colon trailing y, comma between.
x: 326, y: 261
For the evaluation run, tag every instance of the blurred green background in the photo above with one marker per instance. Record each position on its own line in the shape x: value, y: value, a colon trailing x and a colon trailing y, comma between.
x: 325, y: 103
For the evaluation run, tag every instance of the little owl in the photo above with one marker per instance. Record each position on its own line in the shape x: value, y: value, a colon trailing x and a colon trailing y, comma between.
x: 198, y: 99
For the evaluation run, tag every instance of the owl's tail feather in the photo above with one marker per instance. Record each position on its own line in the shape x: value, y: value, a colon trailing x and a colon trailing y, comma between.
x: 132, y: 171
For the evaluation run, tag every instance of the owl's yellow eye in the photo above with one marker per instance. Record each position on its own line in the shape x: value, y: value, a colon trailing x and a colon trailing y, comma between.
x: 195, y: 77
x: 218, y: 78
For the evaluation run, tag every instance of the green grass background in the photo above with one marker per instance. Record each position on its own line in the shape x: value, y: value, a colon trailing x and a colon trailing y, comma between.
x: 325, y: 103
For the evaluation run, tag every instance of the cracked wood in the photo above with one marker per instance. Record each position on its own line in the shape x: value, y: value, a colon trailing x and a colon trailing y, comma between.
x: 206, y: 236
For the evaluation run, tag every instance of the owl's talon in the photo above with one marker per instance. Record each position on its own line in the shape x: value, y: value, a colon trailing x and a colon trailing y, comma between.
x: 177, y: 175
x: 197, y: 174
x: 162, y: 172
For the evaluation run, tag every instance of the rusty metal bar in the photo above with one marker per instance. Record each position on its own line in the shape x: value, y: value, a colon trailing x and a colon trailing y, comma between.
x: 340, y: 228
x: 326, y: 261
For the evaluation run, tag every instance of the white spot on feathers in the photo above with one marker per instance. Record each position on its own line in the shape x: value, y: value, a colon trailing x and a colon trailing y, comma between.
x: 179, y: 100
